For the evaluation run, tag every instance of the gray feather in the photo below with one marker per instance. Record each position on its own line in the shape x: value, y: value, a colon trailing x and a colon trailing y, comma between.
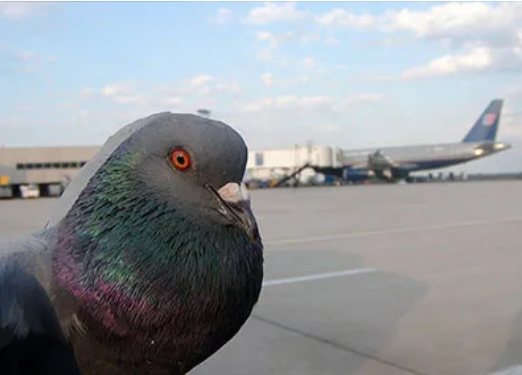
x: 32, y: 253
x: 76, y: 186
x: 25, y: 274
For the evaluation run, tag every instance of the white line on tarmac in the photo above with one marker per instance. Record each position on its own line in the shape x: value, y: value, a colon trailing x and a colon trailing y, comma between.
x: 329, y: 275
x: 515, y: 370
x: 390, y: 231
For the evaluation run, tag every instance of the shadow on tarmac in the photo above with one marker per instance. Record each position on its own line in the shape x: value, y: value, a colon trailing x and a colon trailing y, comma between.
x: 328, y: 327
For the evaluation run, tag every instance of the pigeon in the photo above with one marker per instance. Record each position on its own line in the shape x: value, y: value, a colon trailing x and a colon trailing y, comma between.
x: 151, y: 262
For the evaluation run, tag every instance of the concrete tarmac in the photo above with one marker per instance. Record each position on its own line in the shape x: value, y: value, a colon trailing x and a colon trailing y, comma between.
x: 370, y: 280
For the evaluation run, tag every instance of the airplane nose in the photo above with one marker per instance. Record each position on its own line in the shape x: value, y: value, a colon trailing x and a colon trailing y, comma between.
x: 502, y: 146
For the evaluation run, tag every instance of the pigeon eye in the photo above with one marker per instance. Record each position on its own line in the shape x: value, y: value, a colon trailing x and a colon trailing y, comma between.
x: 180, y: 159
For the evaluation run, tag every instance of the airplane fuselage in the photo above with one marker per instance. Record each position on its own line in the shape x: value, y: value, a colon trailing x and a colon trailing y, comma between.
x: 424, y: 157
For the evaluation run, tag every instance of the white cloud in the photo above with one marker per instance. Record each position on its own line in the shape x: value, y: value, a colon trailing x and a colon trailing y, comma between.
x: 87, y: 91
x: 110, y: 90
x: 19, y: 9
x: 293, y: 102
x: 487, y: 35
x: 275, y: 12
x: 229, y: 86
x: 123, y: 93
x: 272, y: 41
x: 343, y: 18
x: 206, y: 85
x: 205, y: 90
x: 26, y: 56
x: 32, y: 56
x: 201, y: 80
x: 275, y: 40
x: 202, y: 90
x: 223, y: 16
x: 267, y: 55
x: 290, y: 102
x: 280, y: 12
x: 460, y: 22
x: 475, y: 60
x: 474, y: 26
x: 267, y: 79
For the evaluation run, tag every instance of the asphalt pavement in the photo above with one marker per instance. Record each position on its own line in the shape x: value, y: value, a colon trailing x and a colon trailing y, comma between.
x: 371, y: 280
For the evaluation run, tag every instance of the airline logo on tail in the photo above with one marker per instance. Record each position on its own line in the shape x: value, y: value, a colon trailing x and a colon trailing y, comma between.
x: 485, y: 127
x: 489, y: 119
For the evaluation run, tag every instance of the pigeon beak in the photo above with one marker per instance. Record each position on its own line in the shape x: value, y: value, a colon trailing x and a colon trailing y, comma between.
x: 234, y: 193
x: 235, y: 200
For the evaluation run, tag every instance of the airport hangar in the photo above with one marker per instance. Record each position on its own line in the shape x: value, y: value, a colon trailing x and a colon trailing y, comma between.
x: 51, y: 168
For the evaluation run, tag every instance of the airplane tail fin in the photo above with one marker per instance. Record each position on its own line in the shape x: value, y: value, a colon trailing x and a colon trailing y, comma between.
x: 485, y: 128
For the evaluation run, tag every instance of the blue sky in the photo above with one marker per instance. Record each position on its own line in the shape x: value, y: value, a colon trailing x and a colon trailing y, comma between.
x: 347, y: 74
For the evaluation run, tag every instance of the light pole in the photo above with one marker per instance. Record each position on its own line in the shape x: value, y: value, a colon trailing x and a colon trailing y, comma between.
x: 204, y: 112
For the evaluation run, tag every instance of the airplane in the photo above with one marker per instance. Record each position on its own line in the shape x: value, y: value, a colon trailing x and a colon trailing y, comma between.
x: 393, y: 164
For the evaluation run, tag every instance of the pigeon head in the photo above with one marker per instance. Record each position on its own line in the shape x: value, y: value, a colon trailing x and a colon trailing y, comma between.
x: 190, y: 164
x: 157, y: 242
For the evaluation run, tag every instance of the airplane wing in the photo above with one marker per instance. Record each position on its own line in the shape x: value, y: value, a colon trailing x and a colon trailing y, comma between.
x: 378, y: 161
x: 408, y: 166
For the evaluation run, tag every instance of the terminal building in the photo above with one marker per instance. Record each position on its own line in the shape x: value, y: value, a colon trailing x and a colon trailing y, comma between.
x: 274, y: 164
x: 49, y: 169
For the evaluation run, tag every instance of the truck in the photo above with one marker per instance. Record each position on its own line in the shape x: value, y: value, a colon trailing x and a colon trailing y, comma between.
x: 29, y: 191
x: 6, y: 190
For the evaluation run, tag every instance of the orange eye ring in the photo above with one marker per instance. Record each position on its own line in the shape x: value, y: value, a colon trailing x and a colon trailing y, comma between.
x: 180, y: 159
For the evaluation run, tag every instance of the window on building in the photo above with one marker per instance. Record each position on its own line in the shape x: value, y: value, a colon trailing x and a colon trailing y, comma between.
x: 48, y: 165
x: 259, y: 159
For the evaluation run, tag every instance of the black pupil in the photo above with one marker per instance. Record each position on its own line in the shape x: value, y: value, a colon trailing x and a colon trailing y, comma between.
x: 180, y: 159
